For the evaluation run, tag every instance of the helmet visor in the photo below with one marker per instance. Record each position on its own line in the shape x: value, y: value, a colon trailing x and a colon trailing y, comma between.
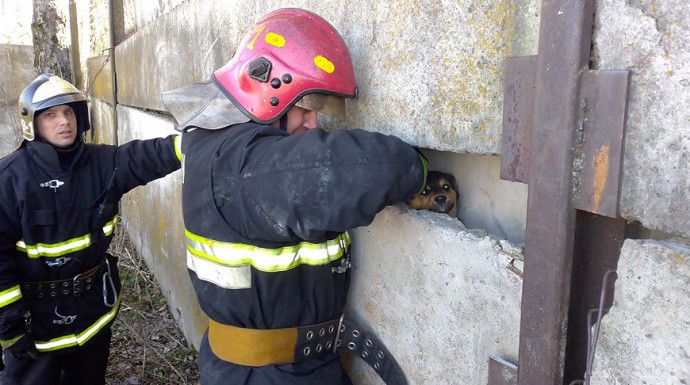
x: 328, y: 104
x: 202, y: 105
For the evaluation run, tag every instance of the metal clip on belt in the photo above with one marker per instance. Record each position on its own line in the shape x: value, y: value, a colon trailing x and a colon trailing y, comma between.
x: 81, y: 282
x: 261, y: 347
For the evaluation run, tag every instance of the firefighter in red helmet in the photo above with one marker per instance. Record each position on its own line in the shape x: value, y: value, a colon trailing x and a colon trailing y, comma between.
x: 59, y: 289
x: 268, y: 199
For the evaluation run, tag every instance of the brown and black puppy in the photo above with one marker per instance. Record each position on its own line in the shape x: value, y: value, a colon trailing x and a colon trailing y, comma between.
x: 440, y: 194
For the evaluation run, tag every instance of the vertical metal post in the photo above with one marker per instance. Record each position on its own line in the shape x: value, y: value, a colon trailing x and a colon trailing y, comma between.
x: 117, y: 35
x: 77, y: 75
x: 564, y: 47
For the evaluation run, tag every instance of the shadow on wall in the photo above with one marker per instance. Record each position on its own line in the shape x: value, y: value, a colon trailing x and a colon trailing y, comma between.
x: 486, y: 202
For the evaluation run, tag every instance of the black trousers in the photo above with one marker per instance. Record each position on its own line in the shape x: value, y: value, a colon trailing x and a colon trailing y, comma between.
x: 82, y: 366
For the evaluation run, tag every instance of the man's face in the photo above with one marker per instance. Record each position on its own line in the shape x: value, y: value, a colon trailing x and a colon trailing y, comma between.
x: 57, y: 125
x: 298, y: 120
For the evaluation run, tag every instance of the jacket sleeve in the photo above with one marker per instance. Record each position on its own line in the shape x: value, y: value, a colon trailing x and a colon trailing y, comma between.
x: 12, y: 306
x: 141, y: 161
x: 315, y: 182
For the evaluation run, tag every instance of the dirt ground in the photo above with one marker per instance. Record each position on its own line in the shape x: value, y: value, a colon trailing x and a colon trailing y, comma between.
x: 147, y: 346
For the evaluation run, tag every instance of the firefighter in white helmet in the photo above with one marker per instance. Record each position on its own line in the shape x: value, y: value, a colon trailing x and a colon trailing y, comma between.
x: 59, y: 290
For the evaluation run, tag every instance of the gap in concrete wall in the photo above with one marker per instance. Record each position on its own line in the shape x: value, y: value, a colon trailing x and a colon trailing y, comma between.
x: 486, y: 202
x: 635, y: 230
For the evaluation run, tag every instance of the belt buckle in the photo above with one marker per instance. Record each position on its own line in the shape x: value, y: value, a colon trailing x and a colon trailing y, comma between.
x: 336, y: 342
x: 76, y: 291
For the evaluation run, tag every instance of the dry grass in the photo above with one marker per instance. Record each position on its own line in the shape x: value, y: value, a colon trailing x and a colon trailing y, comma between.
x: 147, y: 346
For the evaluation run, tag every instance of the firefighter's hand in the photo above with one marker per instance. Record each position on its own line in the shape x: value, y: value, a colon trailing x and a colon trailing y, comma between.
x: 24, y: 348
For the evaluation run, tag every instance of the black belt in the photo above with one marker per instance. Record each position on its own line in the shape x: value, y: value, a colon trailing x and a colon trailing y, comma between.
x: 76, y: 285
x: 257, y: 347
x: 364, y: 344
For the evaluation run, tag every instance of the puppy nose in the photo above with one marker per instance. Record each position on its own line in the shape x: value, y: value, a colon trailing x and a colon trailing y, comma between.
x: 440, y: 199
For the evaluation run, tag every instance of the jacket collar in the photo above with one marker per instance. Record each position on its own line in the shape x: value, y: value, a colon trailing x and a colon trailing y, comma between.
x: 46, y: 156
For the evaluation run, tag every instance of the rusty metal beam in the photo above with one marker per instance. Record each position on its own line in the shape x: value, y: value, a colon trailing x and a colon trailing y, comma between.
x: 564, y: 45
x: 518, y: 117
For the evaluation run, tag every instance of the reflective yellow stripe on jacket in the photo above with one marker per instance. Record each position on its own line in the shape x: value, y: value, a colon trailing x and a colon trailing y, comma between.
x: 63, y: 248
x: 10, y: 295
x: 228, y: 265
x: 178, y: 147
x: 81, y: 338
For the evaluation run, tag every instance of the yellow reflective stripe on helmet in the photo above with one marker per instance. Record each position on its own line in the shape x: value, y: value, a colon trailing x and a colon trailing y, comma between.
x: 267, y: 260
x: 10, y: 295
x: 178, y: 147
x: 62, y: 248
x: 81, y: 338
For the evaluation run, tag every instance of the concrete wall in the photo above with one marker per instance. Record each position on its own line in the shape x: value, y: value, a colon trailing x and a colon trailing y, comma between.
x: 16, y: 71
x: 153, y: 217
x: 645, y: 339
x: 652, y: 39
x: 442, y: 298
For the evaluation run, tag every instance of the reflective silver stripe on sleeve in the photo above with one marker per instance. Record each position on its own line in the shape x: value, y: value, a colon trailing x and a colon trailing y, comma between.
x: 227, y: 277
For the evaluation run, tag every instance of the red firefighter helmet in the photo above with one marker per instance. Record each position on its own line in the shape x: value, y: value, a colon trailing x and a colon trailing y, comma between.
x: 292, y: 56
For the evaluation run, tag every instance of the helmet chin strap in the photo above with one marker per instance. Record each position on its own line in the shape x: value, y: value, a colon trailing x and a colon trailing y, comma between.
x: 283, y: 122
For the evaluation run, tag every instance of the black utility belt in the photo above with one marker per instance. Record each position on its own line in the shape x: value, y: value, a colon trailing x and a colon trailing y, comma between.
x: 76, y: 285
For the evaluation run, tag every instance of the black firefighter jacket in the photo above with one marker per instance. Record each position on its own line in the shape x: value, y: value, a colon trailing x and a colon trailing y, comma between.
x: 51, y: 229
x: 266, y: 216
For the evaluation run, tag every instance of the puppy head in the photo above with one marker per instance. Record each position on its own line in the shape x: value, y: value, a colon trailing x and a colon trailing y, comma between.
x: 440, y: 194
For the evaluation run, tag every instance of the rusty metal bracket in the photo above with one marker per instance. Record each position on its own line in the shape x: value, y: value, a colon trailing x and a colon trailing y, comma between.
x: 502, y: 372
x: 599, y: 146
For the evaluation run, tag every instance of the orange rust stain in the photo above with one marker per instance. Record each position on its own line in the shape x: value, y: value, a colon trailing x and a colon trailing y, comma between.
x: 601, y: 174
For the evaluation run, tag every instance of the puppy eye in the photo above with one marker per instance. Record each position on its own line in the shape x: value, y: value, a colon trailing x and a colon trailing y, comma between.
x: 446, y: 187
x: 425, y: 192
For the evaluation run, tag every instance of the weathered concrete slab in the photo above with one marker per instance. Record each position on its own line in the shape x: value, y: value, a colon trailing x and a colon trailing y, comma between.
x: 99, y: 72
x: 153, y: 218
x: 10, y: 135
x: 437, y: 87
x: 435, y: 293
x: 644, y: 339
x: 16, y: 72
x: 103, y: 128
x: 146, y: 12
x: 652, y: 40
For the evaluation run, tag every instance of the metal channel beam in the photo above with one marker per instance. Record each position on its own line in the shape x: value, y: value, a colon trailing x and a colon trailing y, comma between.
x: 518, y: 117
x: 564, y: 45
